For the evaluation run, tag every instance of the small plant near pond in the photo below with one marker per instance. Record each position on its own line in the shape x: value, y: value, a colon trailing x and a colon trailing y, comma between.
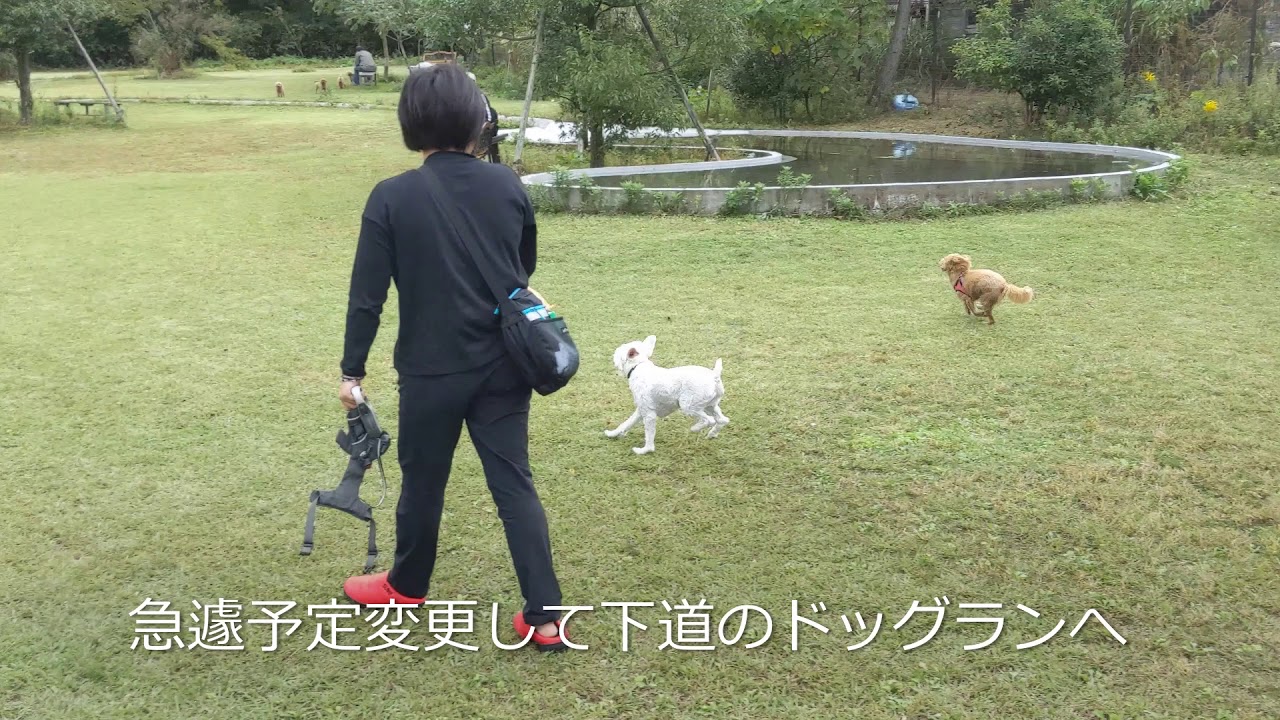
x: 636, y: 200
x: 671, y: 203
x: 742, y: 200
x: 844, y: 207
x: 1150, y: 187
x: 1177, y: 174
x: 1088, y: 190
x: 792, y: 185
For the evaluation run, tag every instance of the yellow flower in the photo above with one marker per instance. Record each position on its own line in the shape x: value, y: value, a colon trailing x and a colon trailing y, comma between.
x: 1149, y: 76
x: 1211, y: 106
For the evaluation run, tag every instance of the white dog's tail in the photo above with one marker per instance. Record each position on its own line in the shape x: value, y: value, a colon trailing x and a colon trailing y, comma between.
x: 715, y: 371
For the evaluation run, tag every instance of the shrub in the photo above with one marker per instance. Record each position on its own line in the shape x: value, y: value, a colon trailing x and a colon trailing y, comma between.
x: 670, y: 203
x: 1088, y: 190
x: 763, y: 81
x: 792, y: 184
x: 228, y: 55
x: 722, y: 111
x: 1149, y: 187
x: 498, y: 81
x: 635, y: 200
x: 1064, y: 55
x: 1177, y: 174
x: 844, y: 207
x: 174, y: 33
x: 1228, y: 119
x: 742, y: 200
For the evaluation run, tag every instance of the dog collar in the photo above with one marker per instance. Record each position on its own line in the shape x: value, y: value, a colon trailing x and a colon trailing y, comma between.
x: 633, y: 368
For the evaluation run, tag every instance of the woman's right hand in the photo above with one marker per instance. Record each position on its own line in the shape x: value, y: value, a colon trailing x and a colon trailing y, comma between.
x: 346, y: 395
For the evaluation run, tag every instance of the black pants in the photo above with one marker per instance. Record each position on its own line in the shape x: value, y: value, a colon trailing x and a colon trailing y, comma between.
x: 494, y: 402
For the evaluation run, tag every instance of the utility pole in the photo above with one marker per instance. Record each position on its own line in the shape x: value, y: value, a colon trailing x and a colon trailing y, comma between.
x: 94, y: 68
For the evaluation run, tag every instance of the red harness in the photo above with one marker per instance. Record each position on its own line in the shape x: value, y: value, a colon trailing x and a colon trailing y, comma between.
x: 959, y: 287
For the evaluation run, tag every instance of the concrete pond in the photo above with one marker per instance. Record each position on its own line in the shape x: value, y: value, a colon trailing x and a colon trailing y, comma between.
x: 878, y: 171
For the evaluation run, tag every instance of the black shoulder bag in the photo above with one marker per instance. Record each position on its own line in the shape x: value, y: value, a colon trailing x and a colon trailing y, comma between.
x: 537, y: 341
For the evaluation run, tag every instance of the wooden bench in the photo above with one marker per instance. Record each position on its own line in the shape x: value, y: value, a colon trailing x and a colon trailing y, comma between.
x: 367, y: 77
x: 86, y: 103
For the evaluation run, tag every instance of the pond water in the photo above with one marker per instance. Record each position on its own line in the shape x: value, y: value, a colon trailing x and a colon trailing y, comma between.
x: 849, y: 161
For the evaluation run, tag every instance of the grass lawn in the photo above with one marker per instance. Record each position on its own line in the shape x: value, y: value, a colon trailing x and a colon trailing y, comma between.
x: 237, y: 85
x: 174, y: 296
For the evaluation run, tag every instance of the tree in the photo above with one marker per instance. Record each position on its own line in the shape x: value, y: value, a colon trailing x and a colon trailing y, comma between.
x: 889, y: 69
x: 462, y: 26
x: 803, y: 49
x: 679, y: 86
x: 398, y: 19
x: 30, y: 25
x: 1062, y: 54
x: 1155, y: 31
x: 608, y: 86
x: 172, y: 32
x: 600, y: 63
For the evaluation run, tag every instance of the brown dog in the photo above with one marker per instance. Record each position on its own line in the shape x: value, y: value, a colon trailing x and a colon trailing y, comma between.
x: 981, y: 290
x: 342, y: 84
x: 279, y: 89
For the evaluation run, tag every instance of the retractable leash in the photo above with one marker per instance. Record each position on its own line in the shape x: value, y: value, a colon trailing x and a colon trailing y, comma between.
x: 366, y: 443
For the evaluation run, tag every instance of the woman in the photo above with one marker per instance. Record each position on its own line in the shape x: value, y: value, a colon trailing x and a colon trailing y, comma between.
x: 449, y: 354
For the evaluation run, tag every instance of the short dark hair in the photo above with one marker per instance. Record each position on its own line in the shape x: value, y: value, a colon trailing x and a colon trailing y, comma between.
x: 441, y: 109
x: 359, y: 48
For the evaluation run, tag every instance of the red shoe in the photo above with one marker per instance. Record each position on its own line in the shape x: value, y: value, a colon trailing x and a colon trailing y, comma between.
x: 544, y: 643
x: 375, y: 590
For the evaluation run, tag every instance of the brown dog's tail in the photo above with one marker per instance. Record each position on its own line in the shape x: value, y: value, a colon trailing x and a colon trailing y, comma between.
x: 1019, y: 295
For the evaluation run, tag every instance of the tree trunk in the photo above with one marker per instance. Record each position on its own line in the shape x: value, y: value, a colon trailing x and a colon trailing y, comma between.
x: 386, y: 58
x: 26, y: 103
x: 1253, y: 42
x: 934, y: 13
x: 889, y: 71
x: 1128, y: 38
x: 403, y: 55
x: 710, y: 76
x: 858, y: 74
x: 595, y: 141
x: 528, y: 91
x: 684, y: 97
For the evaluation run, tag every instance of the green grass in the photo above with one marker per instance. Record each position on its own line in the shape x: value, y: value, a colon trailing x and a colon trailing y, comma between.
x: 238, y: 85
x: 174, y: 294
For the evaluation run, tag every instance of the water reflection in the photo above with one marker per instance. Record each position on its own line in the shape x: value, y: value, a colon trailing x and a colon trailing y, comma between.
x: 851, y: 161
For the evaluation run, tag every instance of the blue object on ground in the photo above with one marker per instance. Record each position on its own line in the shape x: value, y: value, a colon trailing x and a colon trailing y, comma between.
x: 905, y: 102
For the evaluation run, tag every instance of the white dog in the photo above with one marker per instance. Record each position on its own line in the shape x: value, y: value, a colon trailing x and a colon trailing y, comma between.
x: 693, y: 390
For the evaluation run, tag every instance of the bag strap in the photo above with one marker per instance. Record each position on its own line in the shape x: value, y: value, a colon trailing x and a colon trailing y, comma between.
x: 441, y: 199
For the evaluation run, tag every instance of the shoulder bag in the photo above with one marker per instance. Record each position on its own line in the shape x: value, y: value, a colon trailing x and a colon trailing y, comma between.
x: 537, y: 341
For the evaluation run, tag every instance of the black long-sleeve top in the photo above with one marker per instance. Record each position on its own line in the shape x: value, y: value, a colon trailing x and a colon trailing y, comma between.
x: 447, y: 320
